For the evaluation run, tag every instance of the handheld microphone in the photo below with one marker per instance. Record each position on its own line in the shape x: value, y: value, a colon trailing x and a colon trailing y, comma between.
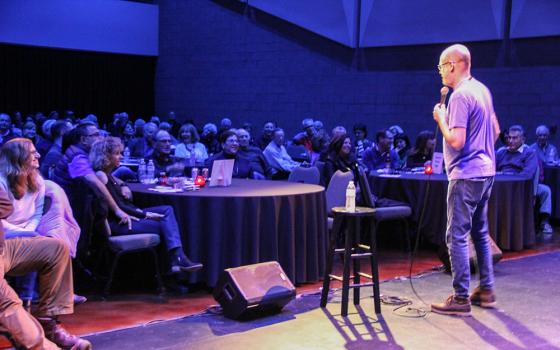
x: 444, y: 91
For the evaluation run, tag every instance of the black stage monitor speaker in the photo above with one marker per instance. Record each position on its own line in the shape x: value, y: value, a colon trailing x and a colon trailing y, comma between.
x: 495, y: 251
x: 253, y: 290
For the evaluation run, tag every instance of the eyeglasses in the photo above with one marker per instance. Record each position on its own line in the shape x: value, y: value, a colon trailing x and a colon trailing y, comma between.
x: 35, y: 154
x: 440, y: 66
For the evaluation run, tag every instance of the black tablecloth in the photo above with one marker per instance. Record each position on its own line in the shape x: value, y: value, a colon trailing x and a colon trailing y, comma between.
x: 552, y: 179
x: 510, y: 209
x: 250, y: 221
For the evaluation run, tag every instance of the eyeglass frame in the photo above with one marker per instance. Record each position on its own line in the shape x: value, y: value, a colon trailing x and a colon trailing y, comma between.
x: 440, y: 66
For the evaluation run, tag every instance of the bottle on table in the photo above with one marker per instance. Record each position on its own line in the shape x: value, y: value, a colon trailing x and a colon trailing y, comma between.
x: 142, y: 170
x: 126, y: 154
x: 163, y: 179
x: 150, y: 170
x: 351, y: 197
x: 551, y: 156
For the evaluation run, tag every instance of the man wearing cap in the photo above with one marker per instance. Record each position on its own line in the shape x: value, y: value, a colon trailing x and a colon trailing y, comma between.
x: 310, y: 139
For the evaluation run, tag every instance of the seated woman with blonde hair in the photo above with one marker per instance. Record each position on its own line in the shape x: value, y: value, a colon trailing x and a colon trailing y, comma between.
x: 105, y: 155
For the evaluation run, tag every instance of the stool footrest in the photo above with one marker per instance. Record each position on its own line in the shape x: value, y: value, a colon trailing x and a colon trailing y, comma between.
x: 335, y: 277
x: 365, y: 275
x: 362, y: 285
x: 360, y: 255
x: 363, y: 246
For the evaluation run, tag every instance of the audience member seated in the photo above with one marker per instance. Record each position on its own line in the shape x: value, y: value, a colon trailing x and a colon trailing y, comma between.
x: 50, y: 258
x: 105, y: 156
x: 338, y: 131
x: 252, y: 153
x: 423, y: 149
x: 172, y: 120
x: 117, y: 125
x: 277, y: 156
x: 266, y: 135
x: 401, y: 145
x: 361, y: 143
x: 311, y: 140
x: 127, y: 135
x: 547, y: 153
x: 340, y: 156
x: 155, y: 119
x: 22, y: 185
x: 225, y: 124
x: 143, y: 147
x: 249, y: 127
x: 139, y: 127
x: 44, y: 144
x: 242, y: 168
x: 322, y: 133
x: 163, y: 161
x: 190, y: 149
x: 518, y: 158
x: 19, y: 176
x: 6, y: 132
x: 75, y: 164
x: 167, y: 127
x: 209, y: 138
x: 53, y: 156
x: 381, y: 155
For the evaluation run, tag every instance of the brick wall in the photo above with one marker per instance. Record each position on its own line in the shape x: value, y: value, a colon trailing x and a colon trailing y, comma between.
x: 216, y: 61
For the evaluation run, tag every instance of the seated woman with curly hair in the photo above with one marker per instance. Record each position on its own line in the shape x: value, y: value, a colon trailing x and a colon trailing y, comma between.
x: 105, y: 155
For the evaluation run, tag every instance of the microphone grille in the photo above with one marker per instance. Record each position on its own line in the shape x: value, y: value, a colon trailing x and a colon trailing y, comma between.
x: 444, y: 91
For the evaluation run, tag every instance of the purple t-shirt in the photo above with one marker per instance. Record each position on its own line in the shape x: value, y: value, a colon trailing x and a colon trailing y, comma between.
x: 470, y: 107
x: 79, y: 166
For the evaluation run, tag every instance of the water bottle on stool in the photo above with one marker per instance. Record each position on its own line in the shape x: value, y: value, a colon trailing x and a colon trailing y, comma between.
x: 351, y: 197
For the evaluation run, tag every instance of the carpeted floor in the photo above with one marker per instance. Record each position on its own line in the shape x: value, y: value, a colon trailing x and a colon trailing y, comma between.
x: 529, y: 303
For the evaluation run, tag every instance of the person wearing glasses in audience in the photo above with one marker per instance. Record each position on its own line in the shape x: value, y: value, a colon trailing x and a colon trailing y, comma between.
x: 22, y: 190
x: 242, y: 168
x: 75, y: 163
x: 164, y: 162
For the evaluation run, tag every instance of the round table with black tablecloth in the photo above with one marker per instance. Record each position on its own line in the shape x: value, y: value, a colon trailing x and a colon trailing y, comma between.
x: 510, y: 209
x: 249, y: 222
x: 552, y: 179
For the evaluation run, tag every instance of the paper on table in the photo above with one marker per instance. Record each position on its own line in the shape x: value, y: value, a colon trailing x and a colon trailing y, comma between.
x: 162, y: 189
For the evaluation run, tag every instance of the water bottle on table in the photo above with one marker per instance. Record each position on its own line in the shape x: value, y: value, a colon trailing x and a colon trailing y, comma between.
x: 126, y: 154
x: 142, y: 171
x: 150, y: 170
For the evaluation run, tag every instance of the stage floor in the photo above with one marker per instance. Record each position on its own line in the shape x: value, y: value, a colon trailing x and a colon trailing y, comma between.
x: 526, y: 318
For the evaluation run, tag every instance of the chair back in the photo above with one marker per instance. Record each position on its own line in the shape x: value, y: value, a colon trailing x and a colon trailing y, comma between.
x: 336, y: 192
x: 306, y: 175
x: 367, y: 199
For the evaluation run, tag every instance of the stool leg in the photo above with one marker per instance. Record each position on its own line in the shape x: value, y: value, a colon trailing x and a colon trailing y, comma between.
x: 374, y: 268
x: 335, y: 231
x: 356, y: 262
x: 346, y: 268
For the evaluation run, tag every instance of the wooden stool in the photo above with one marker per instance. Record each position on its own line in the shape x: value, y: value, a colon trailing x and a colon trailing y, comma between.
x: 350, y: 223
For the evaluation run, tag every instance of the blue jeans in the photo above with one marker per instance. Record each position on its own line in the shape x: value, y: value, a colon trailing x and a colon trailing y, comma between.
x: 467, y: 212
x: 166, y: 227
x: 125, y: 173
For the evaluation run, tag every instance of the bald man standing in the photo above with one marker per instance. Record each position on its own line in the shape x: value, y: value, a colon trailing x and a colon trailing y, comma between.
x: 469, y: 128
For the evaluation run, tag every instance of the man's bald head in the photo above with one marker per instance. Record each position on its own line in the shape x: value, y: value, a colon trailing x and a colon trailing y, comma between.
x: 454, y: 65
x: 457, y: 53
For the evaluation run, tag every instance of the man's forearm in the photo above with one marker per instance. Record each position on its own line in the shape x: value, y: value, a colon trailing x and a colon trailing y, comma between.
x: 92, y: 179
